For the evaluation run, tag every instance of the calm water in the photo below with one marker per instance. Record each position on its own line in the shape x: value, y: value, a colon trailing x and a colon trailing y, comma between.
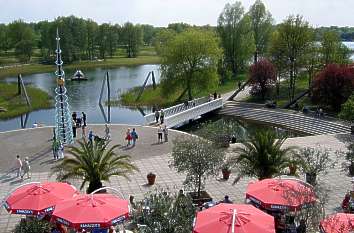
x: 350, y: 45
x: 84, y: 95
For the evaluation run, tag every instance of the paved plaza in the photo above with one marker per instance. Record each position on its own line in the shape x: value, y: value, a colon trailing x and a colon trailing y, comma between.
x: 148, y: 156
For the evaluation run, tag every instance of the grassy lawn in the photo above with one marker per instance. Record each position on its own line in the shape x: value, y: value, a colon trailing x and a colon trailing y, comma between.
x: 108, y: 63
x: 152, y: 97
x: 283, y: 98
x: 16, y: 105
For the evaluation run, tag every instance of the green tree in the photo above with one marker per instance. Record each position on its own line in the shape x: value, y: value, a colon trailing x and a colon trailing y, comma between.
x: 333, y: 50
x: 278, y: 57
x: 161, y: 39
x: 198, y: 159
x: 347, y: 110
x: 4, y: 38
x: 148, y: 33
x: 295, y: 37
x: 178, y: 27
x: 93, y: 163
x: 234, y: 28
x: 262, y: 157
x: 22, y: 39
x: 172, y: 213
x: 92, y: 31
x: 46, y: 40
x: 189, y: 62
x: 261, y: 24
x: 132, y: 36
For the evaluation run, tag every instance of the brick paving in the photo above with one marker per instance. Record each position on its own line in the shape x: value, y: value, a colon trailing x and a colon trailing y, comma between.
x: 149, y: 157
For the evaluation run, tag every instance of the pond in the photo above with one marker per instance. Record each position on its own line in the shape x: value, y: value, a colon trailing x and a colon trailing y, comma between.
x: 215, y: 125
x: 84, y: 95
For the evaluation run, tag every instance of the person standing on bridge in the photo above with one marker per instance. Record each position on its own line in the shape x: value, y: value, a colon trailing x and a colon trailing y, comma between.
x: 157, y: 116
x: 162, y: 116
x: 215, y: 95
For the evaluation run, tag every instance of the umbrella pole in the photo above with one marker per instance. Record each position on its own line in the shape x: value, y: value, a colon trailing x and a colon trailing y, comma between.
x: 233, y: 221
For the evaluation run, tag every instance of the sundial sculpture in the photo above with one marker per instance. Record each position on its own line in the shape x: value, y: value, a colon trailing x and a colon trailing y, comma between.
x: 63, y: 121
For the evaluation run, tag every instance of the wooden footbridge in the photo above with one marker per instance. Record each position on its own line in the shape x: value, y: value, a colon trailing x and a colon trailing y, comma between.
x: 181, y: 113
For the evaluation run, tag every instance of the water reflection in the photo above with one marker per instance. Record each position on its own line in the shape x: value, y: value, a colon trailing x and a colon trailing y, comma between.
x: 84, y: 96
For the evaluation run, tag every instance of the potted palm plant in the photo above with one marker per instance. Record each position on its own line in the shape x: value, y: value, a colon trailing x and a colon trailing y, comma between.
x: 151, y: 178
x: 93, y: 162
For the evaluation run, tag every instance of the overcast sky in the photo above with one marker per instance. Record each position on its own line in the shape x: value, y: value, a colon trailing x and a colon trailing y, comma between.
x: 163, y: 12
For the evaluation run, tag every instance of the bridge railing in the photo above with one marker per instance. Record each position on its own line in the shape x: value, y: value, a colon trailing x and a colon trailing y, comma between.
x: 194, y: 112
x: 150, y: 118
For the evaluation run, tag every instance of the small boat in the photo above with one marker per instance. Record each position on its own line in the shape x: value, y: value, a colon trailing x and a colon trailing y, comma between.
x: 79, y: 76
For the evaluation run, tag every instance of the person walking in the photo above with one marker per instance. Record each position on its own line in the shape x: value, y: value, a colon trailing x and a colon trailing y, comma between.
x: 83, y: 131
x: 26, y: 168
x: 159, y: 134
x: 134, y: 136
x: 18, y: 165
x: 239, y: 85
x: 162, y: 116
x: 61, y: 151
x: 83, y: 118
x: 107, y: 132
x: 74, y: 128
x: 90, y: 136
x: 55, y: 149
x: 74, y: 115
x: 215, y: 95
x: 128, y: 137
x: 165, y: 133
x: 157, y: 116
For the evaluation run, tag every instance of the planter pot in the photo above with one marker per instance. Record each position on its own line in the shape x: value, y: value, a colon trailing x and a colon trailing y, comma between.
x: 204, y: 197
x: 151, y: 179
x: 311, y: 178
x: 225, y: 174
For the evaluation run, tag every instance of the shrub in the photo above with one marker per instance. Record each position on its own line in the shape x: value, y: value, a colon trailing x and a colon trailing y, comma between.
x: 333, y: 86
x: 262, y: 77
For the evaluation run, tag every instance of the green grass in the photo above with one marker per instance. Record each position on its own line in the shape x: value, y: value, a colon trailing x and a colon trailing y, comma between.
x: 108, y: 63
x: 283, y: 98
x: 16, y: 105
x: 152, y: 97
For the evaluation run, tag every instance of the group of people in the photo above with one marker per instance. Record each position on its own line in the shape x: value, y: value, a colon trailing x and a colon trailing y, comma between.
x: 22, y: 168
x: 162, y: 131
x: 159, y: 116
x: 131, y: 137
x: 214, y: 96
x: 57, y: 149
x: 78, y: 122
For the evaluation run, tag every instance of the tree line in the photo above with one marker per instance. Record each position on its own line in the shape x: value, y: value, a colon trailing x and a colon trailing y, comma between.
x: 80, y: 39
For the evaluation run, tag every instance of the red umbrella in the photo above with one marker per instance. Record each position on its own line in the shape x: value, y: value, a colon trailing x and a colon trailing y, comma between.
x: 38, y: 198
x: 233, y: 218
x: 87, y: 211
x: 339, y: 222
x: 281, y: 194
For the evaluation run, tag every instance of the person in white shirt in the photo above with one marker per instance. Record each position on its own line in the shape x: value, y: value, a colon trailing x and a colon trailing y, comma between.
x: 18, y: 165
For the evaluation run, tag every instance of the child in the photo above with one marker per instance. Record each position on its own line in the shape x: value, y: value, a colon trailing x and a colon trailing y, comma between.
x: 128, y: 137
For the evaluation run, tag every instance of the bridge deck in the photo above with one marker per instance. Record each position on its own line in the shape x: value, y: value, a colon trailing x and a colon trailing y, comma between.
x: 181, y: 113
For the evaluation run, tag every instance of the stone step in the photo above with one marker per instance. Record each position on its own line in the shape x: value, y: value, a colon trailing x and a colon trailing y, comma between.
x: 284, y: 119
x: 309, y: 122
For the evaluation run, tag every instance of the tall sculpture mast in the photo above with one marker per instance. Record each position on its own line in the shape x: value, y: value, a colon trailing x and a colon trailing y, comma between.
x: 63, y: 121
